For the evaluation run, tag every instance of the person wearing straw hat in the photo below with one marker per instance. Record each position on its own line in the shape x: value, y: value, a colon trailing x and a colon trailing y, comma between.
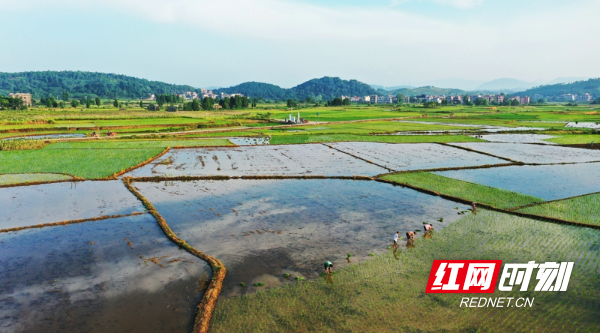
x: 328, y: 266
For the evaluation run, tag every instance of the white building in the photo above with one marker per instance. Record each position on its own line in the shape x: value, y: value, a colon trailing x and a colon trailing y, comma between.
x: 374, y: 99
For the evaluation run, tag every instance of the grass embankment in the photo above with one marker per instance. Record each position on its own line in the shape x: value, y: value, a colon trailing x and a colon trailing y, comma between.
x: 585, y: 209
x: 386, y: 293
x: 458, y: 188
x: 90, y: 159
x: 10, y: 179
x: 575, y: 139
x: 298, y: 139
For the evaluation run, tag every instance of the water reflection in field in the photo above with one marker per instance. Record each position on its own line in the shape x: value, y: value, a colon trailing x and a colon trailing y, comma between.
x: 119, y: 275
x: 36, y: 204
x: 548, y: 182
x: 262, y: 229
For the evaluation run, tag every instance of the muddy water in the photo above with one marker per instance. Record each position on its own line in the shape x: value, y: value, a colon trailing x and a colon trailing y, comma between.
x: 534, y: 153
x: 119, y: 275
x: 415, y: 156
x: 548, y: 182
x: 262, y: 229
x: 30, y: 205
x: 312, y: 159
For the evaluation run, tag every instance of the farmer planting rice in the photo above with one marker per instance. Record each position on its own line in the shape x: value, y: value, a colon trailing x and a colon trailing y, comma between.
x: 428, y: 227
x: 410, y: 234
x: 474, y: 204
x: 328, y: 266
x: 396, y: 238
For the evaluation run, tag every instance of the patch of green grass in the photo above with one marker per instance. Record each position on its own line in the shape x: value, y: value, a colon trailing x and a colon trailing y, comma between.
x: 92, y: 159
x: 139, y: 144
x: 305, y: 138
x: 10, y: 179
x: 575, y: 139
x: 584, y: 209
x: 386, y: 293
x: 462, y: 189
x: 86, y: 163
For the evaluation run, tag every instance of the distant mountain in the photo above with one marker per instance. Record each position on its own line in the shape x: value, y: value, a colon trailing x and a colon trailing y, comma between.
x: 591, y: 86
x: 427, y: 90
x: 384, y: 88
x: 81, y: 84
x: 327, y: 88
x: 506, y: 84
x: 567, y: 80
x: 256, y: 89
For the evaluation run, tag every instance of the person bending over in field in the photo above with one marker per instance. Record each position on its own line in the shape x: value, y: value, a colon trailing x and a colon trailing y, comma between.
x: 410, y: 239
x: 328, y: 267
x: 428, y: 227
x: 474, y: 204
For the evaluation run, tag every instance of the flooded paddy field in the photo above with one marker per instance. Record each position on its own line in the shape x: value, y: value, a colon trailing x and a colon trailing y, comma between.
x: 549, y: 182
x: 534, y: 153
x: 47, y: 136
x: 117, y: 275
x: 311, y: 159
x: 518, y: 138
x: 416, y: 156
x: 262, y: 229
x: 251, y: 141
x: 37, y: 204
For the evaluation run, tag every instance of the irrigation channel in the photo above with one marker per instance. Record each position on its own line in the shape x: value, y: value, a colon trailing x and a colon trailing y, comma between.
x: 270, y: 214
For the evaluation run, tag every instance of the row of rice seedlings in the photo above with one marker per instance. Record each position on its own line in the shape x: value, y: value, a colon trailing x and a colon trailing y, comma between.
x: 585, y: 209
x: 362, y: 296
x: 462, y: 189
x: 22, y: 144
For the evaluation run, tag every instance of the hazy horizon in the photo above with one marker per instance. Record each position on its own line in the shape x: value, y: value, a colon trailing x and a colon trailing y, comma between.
x: 388, y: 43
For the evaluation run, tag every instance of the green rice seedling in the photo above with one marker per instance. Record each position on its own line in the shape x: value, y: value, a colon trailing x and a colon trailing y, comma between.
x: 349, y: 255
x: 462, y: 189
x: 21, y: 144
x: 371, y: 254
x: 585, y: 209
x: 286, y: 275
x: 299, y: 278
x: 242, y: 284
x: 362, y: 294
x: 259, y: 284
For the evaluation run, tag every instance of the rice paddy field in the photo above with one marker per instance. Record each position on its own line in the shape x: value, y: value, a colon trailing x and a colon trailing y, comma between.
x: 131, y: 234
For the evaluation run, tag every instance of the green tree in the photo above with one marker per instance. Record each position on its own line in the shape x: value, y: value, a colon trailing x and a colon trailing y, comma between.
x: 116, y: 103
x: 65, y: 96
x: 514, y: 102
x: 98, y: 101
x: 337, y: 102
x: 400, y: 98
x: 195, y: 105
x: 207, y: 103
x: 291, y: 103
x: 141, y: 104
x: 444, y: 102
x: 74, y: 103
x: 88, y: 103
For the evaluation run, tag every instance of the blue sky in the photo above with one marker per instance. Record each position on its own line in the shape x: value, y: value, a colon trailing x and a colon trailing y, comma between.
x: 226, y: 42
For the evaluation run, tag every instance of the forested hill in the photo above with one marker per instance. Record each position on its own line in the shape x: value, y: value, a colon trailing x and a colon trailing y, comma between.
x: 80, y: 84
x: 327, y: 88
x: 427, y: 90
x: 591, y: 86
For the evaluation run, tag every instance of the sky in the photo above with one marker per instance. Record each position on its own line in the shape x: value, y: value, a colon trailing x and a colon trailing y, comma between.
x: 287, y: 42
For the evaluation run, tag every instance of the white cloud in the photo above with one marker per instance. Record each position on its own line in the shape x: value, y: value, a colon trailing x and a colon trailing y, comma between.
x: 377, y: 44
x: 460, y: 3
